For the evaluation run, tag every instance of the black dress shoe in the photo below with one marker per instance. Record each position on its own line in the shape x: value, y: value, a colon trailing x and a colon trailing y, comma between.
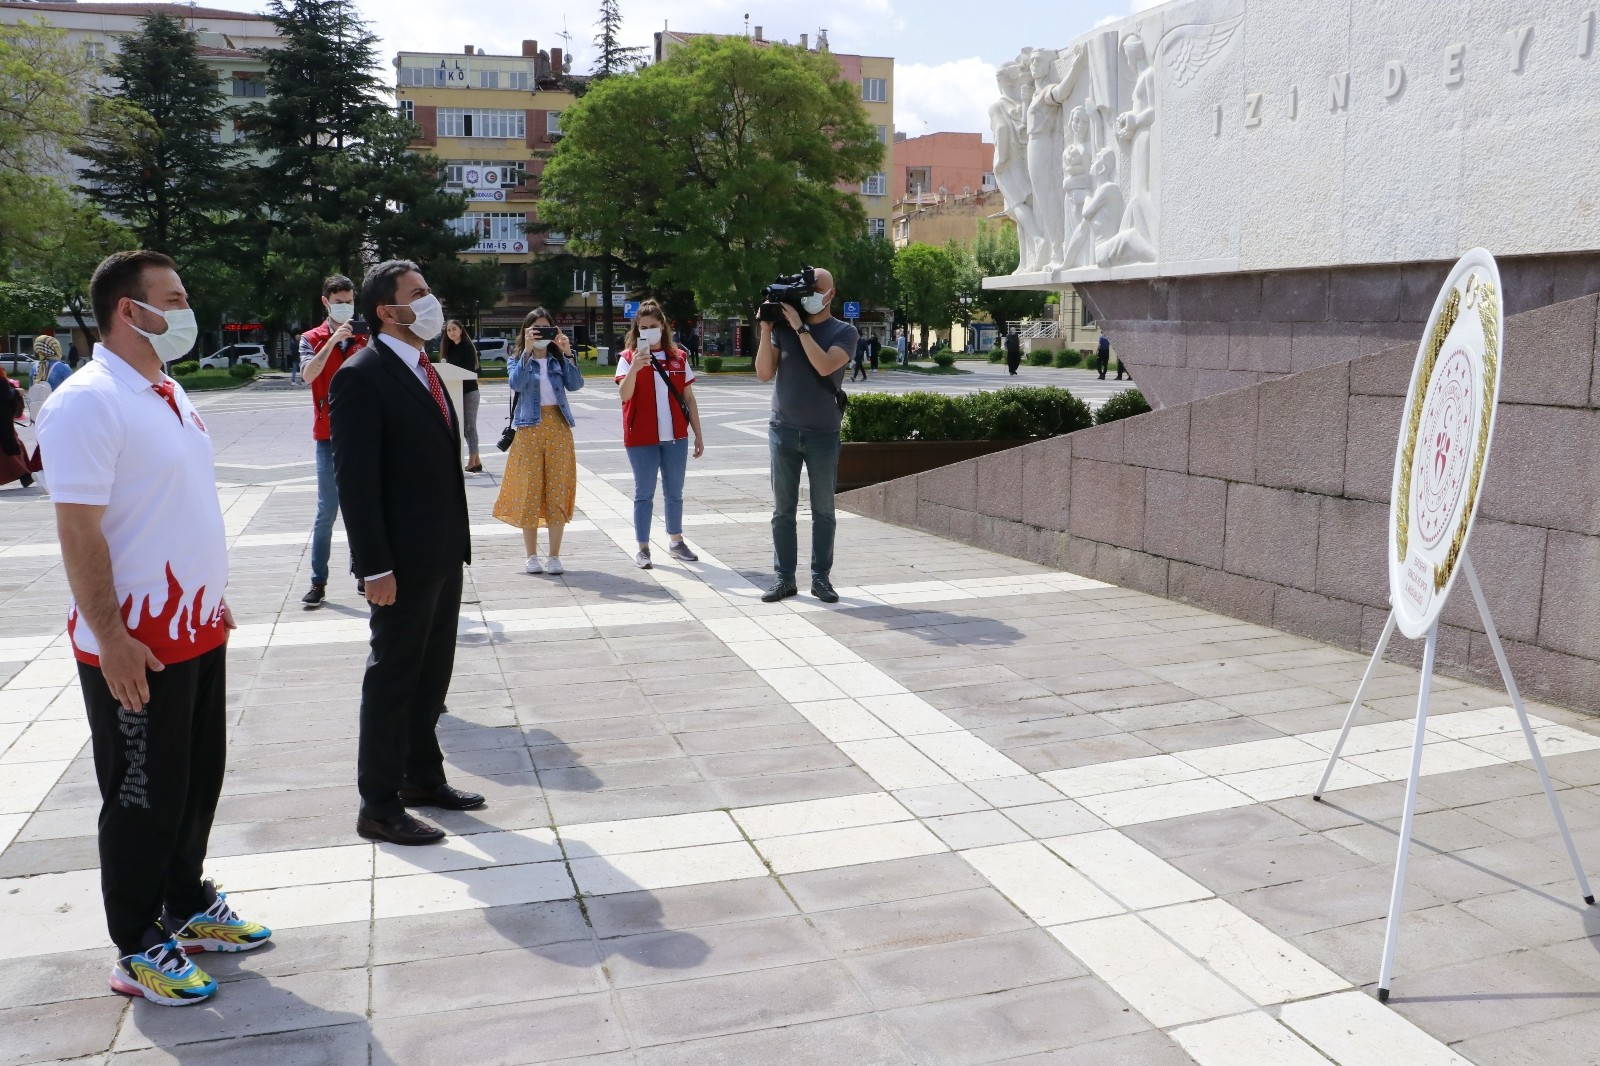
x: 399, y: 828
x: 822, y: 590
x: 782, y: 589
x: 444, y: 797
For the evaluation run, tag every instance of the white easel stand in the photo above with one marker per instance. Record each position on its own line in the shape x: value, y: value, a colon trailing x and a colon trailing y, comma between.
x: 1392, y: 923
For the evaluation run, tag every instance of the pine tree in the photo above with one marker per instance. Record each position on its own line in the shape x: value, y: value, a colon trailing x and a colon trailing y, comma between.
x: 168, y: 177
x: 614, y: 57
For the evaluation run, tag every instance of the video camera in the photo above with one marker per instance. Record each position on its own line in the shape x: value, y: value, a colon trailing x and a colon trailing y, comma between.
x: 788, y: 289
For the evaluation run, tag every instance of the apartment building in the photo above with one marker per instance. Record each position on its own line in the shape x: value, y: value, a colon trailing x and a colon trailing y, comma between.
x: 873, y: 77
x: 494, y: 120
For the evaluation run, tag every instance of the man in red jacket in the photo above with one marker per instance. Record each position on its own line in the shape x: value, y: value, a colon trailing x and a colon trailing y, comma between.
x: 323, y: 351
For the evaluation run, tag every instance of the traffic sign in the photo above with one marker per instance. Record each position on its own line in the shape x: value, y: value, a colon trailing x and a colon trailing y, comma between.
x: 630, y: 309
x: 852, y: 309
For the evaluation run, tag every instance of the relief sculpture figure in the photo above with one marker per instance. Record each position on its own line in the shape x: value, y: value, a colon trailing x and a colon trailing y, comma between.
x: 1135, y: 241
x: 1008, y: 117
x: 1075, y: 162
x: 1054, y: 78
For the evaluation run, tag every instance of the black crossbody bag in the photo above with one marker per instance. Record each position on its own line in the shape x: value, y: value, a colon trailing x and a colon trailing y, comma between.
x: 667, y: 378
x: 839, y: 395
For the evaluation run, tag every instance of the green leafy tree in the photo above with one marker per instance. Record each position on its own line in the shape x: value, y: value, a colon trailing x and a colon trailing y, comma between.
x: 996, y: 254
x: 69, y: 251
x: 26, y: 307
x: 165, y: 177
x: 714, y: 171
x: 928, y: 279
x: 864, y: 270
x: 614, y: 57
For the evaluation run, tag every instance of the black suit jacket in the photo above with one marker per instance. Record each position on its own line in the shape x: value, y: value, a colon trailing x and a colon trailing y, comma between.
x: 398, y: 467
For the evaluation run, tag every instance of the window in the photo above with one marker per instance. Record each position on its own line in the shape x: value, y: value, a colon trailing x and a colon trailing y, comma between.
x: 481, y: 122
x: 875, y: 90
x: 518, y: 79
x: 875, y: 227
x: 430, y: 77
x: 95, y: 51
x: 883, y: 134
x: 989, y: 183
x: 917, y: 180
x: 876, y: 185
x: 498, y: 232
x: 555, y: 236
x: 488, y: 79
x: 408, y: 110
x: 254, y: 87
x: 552, y: 123
x: 239, y: 135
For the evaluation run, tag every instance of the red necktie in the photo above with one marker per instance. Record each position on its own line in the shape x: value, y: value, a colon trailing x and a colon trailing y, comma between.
x: 167, y: 392
x: 433, y: 385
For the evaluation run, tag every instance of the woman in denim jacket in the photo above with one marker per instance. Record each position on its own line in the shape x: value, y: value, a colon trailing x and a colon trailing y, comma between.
x: 540, y: 485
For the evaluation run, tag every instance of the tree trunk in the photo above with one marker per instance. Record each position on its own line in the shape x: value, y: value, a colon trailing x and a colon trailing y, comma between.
x: 76, y: 308
x: 924, y: 338
x: 608, y: 309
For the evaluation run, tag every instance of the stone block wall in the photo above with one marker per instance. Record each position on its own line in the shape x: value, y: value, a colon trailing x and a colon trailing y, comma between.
x: 1191, y: 337
x: 1270, y: 503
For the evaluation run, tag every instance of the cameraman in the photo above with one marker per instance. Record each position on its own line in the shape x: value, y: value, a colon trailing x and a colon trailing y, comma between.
x: 807, y: 356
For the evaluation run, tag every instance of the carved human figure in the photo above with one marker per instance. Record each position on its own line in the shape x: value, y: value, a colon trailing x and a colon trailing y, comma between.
x: 1008, y: 117
x: 1075, y: 163
x: 1102, y: 212
x: 1054, y: 78
x: 1135, y: 241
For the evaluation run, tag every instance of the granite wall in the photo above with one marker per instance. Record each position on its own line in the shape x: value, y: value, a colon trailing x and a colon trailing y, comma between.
x: 1269, y: 503
x: 1190, y: 337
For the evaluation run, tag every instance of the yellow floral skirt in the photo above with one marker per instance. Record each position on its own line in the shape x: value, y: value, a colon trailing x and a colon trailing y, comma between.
x: 540, y: 486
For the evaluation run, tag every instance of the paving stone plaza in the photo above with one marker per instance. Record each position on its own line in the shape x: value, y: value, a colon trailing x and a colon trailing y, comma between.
x: 976, y: 812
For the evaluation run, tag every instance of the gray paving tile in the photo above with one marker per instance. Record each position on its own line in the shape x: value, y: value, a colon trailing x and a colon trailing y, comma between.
x: 882, y: 882
x: 1274, y: 862
x: 691, y: 907
x: 62, y: 1030
x: 1522, y: 987
x: 250, y: 1008
x: 1011, y: 1024
x: 1140, y: 1049
x: 460, y: 982
x: 346, y: 1043
x: 708, y: 951
x: 716, y: 1006
x: 864, y: 1040
x: 508, y: 1035
x: 972, y: 966
x: 1328, y: 901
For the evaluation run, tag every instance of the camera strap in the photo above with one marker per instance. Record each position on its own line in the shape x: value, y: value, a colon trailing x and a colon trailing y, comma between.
x: 667, y: 379
x: 840, y: 397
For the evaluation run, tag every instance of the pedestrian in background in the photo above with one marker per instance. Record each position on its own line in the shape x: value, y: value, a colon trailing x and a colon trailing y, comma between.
x: 323, y: 350
x: 458, y: 350
x: 14, y: 464
x: 1013, y: 353
x: 1102, y: 355
x: 658, y: 412
x: 53, y: 370
x: 858, y: 364
x: 540, y: 485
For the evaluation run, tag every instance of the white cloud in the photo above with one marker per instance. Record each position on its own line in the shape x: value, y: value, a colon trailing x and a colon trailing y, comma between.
x: 944, y: 97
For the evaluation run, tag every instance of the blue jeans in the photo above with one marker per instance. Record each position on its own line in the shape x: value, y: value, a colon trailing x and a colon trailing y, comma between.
x: 819, y: 451
x: 327, y: 511
x: 670, y: 458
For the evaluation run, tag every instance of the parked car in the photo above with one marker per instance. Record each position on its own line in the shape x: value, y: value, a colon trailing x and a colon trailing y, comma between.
x: 492, y: 347
x: 233, y: 354
x: 18, y: 366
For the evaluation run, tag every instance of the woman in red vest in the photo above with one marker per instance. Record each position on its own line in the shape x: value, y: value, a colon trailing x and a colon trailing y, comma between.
x: 658, y: 411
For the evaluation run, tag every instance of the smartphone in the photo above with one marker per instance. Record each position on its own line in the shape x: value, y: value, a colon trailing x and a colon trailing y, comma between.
x: 546, y: 333
x: 358, y: 325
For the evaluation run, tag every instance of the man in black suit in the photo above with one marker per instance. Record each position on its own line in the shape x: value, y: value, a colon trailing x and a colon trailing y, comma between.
x: 396, y: 439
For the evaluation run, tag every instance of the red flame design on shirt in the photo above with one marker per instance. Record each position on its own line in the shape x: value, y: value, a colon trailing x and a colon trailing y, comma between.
x: 176, y: 633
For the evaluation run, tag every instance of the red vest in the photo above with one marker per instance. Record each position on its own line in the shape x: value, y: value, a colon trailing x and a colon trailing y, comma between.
x: 320, y: 430
x: 640, y: 425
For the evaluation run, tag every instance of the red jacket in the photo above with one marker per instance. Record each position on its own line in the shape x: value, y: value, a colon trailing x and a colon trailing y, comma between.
x: 641, y: 411
x: 316, y: 338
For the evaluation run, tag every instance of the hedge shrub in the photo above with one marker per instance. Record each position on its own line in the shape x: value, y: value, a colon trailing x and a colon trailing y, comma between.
x: 945, y: 358
x: 1125, y: 404
x: 244, y: 371
x: 997, y: 355
x: 713, y: 364
x: 1068, y: 357
x: 1041, y: 357
x: 1006, y: 414
x: 188, y: 366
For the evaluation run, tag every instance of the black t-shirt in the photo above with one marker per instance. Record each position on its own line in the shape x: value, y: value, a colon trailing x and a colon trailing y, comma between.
x: 465, y: 356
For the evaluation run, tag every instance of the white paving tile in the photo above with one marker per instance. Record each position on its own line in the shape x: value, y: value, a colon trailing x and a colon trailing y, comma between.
x: 1365, y: 739
x: 840, y: 720
x: 495, y: 886
x: 10, y: 825
x: 849, y: 847
x: 909, y: 714
x: 932, y: 801
x: 1258, y: 962
x: 23, y: 705
x: 768, y: 654
x: 1040, y: 884
x: 1245, y: 1040
x: 1553, y: 740
x: 48, y: 913
x: 802, y: 684
x: 23, y: 786
x: 1440, y: 757
x: 1352, y: 1028
x: 821, y: 651
x: 48, y: 740
x: 44, y: 673
x: 1281, y: 782
x: 1144, y: 968
x: 457, y: 852
x: 1121, y: 775
x: 1459, y: 725
x: 303, y: 906
x: 814, y: 816
x: 894, y: 764
x: 672, y: 868
x: 1253, y: 755
x: 1157, y: 802
x: 649, y: 834
x: 965, y: 756
x: 1127, y: 871
x: 858, y: 680
x: 280, y: 869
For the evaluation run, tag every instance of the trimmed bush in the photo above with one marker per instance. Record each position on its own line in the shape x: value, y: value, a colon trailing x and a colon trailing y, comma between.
x: 1006, y: 414
x: 945, y: 358
x: 188, y: 366
x: 713, y: 364
x: 1125, y: 404
x: 997, y: 355
x: 1068, y: 357
x: 244, y: 371
x: 1041, y: 357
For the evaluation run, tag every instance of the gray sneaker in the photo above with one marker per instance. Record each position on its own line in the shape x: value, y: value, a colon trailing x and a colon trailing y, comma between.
x: 642, y: 559
x: 680, y: 550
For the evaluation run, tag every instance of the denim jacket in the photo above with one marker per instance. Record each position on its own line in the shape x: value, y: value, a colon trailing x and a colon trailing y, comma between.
x: 525, y: 384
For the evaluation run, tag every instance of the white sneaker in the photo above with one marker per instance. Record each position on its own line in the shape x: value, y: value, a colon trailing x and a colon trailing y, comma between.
x: 553, y: 565
x: 533, y: 566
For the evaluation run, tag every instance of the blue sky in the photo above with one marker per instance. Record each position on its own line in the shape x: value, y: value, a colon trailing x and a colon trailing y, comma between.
x: 945, y: 52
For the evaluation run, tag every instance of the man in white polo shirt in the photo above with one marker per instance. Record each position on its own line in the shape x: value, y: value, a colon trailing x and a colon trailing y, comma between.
x: 134, y: 488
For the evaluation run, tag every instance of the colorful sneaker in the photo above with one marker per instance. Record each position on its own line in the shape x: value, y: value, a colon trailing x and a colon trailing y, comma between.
x: 217, y: 928
x: 163, y: 975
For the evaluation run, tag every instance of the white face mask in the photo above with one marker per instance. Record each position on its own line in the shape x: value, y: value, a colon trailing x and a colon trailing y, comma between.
x: 428, y: 317
x: 540, y: 345
x: 816, y: 302
x: 650, y: 337
x: 339, y: 314
x: 180, y: 334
